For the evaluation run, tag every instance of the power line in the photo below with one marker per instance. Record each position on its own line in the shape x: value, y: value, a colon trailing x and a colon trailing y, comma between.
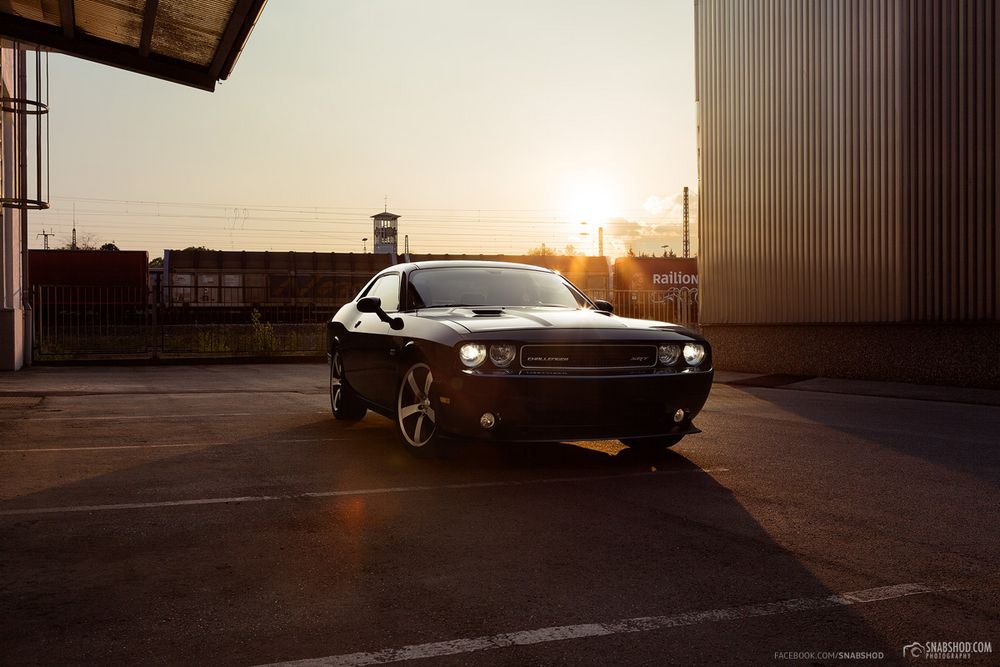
x: 556, y: 212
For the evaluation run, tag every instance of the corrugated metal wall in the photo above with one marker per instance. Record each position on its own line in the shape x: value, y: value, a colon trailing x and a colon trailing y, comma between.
x: 848, y: 160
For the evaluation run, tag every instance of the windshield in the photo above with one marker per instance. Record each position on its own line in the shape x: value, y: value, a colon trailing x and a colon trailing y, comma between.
x: 482, y: 286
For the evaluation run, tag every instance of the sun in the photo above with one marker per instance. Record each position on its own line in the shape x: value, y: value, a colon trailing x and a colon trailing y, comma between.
x: 593, y: 203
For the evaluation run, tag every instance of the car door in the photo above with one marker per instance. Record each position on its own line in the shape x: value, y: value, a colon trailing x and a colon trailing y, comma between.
x: 370, y: 362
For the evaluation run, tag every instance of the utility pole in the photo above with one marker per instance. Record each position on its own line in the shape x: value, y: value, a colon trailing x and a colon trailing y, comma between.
x: 600, y: 241
x: 687, y: 229
x: 46, y: 236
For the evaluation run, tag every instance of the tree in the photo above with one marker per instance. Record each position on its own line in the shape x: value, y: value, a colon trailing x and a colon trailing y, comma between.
x: 633, y: 253
x: 542, y: 251
x: 84, y: 242
x: 156, y: 262
x: 109, y: 247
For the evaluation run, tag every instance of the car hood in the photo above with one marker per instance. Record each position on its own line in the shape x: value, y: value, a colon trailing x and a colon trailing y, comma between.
x: 482, y: 320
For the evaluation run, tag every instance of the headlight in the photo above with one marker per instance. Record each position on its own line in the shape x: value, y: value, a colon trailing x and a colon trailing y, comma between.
x: 669, y: 354
x: 694, y: 354
x: 502, y: 355
x: 472, y: 354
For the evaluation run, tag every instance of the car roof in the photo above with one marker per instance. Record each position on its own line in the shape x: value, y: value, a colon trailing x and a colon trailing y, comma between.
x: 467, y: 264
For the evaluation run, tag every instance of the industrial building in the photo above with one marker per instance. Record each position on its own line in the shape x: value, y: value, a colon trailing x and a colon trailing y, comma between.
x: 849, y: 187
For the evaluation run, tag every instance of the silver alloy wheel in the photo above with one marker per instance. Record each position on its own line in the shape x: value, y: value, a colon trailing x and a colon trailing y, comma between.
x: 336, y: 373
x: 413, y: 406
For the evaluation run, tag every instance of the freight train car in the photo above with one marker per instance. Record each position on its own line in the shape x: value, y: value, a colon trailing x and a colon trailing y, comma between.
x: 87, y: 300
x: 68, y: 277
x: 308, y: 286
x: 658, y: 288
x: 214, y: 277
x: 220, y: 285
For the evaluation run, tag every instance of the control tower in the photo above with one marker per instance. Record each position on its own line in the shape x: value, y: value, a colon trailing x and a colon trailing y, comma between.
x: 385, y: 233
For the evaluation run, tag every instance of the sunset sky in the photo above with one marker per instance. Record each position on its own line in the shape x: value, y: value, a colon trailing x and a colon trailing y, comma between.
x: 490, y: 127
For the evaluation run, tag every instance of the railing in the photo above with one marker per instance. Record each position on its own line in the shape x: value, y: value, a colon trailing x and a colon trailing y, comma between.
x: 79, y: 322
x: 677, y: 305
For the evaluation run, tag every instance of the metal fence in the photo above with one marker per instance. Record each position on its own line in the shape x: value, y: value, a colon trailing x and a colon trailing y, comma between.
x: 76, y: 322
x: 677, y: 305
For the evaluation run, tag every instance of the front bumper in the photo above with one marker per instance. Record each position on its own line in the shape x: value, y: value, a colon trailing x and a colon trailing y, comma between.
x: 570, y: 407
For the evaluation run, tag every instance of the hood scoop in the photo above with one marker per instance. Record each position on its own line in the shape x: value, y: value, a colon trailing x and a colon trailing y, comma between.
x: 487, y: 312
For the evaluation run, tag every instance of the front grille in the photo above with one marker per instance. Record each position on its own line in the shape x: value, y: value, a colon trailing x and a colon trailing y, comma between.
x: 579, y: 357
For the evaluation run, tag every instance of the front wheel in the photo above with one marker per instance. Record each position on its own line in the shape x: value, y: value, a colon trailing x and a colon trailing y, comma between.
x: 416, y: 421
x: 343, y: 401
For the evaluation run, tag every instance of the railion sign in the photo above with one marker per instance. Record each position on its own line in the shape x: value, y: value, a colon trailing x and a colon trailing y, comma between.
x: 656, y: 273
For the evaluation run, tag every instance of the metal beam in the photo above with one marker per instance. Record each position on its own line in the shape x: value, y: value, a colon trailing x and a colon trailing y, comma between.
x: 106, y: 53
x: 148, y: 22
x: 244, y: 14
x: 67, y: 15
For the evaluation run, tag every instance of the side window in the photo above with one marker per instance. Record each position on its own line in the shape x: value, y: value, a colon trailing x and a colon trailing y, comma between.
x: 387, y: 289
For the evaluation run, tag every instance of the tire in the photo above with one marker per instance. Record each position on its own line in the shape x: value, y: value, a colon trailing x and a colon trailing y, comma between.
x: 343, y: 401
x: 416, y: 421
x: 652, y: 445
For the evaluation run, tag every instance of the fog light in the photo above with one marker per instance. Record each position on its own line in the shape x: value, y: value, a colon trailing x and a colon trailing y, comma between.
x: 679, y: 416
x: 487, y: 420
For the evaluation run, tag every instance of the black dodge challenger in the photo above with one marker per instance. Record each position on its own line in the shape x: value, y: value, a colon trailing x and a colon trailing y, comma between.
x: 510, y: 352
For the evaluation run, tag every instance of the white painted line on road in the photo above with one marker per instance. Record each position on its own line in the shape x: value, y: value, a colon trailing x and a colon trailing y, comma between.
x: 338, y: 494
x: 33, y: 450
x: 152, y: 417
x: 640, y: 624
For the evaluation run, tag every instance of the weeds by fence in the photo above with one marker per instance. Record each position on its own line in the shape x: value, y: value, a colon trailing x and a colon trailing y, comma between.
x: 108, y: 323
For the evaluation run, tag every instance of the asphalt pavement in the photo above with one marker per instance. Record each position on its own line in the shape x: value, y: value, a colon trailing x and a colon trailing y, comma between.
x: 220, y: 515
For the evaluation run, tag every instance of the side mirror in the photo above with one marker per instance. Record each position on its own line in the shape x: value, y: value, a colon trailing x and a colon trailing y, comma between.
x: 373, y: 304
x: 370, y: 304
x: 604, y: 306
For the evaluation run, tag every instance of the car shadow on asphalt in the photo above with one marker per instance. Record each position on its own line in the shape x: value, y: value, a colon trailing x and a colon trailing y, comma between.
x: 411, y: 551
x: 374, y: 440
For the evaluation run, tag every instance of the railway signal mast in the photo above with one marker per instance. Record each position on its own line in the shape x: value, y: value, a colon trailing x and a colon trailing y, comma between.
x: 687, y: 229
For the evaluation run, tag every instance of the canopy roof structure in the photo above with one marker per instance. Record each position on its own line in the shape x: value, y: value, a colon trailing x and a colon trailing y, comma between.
x: 192, y: 42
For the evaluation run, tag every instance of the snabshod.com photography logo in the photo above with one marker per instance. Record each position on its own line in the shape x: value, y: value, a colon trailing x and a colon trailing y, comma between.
x: 947, y: 650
